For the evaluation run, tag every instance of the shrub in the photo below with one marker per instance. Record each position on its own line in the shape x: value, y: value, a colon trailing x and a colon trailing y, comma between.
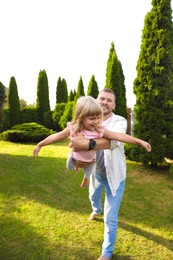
x: 48, y: 119
x: 29, y: 114
x: 67, y: 115
x: 26, y: 133
x: 58, y: 112
x: 6, y: 121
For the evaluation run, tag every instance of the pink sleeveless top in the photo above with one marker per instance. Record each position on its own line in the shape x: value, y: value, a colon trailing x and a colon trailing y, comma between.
x: 85, y: 156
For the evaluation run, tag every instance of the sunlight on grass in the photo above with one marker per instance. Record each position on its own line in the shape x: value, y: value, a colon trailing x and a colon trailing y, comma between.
x: 44, y: 212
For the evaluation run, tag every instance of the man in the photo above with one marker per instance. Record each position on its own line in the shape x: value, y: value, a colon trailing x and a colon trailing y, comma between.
x: 110, y: 172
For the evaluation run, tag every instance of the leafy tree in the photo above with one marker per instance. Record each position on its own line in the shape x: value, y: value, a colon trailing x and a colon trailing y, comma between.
x: 42, y: 103
x: 61, y: 91
x: 115, y: 81
x: 153, y: 85
x: 80, y: 90
x: 93, y: 88
x: 2, y: 100
x: 13, y: 103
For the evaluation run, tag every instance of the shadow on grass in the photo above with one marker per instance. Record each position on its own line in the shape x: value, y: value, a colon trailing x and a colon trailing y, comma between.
x: 23, y: 242
x: 45, y: 180
x: 168, y: 243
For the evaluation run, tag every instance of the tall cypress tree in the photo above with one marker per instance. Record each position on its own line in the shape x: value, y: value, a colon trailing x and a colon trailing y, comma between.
x: 71, y: 96
x: 42, y: 103
x: 64, y: 91
x: 93, y: 88
x: 58, y: 91
x: 153, y: 85
x: 80, y: 89
x: 115, y: 81
x: 123, y: 89
x: 61, y: 91
x: 13, y: 103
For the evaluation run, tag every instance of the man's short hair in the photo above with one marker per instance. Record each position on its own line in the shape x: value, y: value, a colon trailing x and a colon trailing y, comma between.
x: 108, y: 90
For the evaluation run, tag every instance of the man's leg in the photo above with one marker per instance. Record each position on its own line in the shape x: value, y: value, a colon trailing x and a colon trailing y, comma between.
x: 95, y: 194
x: 111, y: 207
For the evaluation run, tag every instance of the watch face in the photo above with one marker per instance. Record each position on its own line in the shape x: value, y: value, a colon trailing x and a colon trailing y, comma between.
x: 92, y: 143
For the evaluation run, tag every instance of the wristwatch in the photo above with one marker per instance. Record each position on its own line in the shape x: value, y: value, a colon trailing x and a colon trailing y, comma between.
x: 92, y: 144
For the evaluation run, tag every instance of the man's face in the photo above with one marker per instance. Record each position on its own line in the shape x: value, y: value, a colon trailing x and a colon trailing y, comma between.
x: 107, y: 102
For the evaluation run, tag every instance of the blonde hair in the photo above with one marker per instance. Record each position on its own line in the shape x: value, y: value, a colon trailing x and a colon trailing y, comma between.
x: 86, y: 106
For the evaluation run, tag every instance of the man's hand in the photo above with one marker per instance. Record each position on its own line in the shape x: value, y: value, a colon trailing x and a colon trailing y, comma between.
x: 80, y: 164
x: 79, y: 143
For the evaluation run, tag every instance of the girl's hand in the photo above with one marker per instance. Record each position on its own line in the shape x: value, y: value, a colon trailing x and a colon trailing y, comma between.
x: 146, y: 145
x: 36, y: 150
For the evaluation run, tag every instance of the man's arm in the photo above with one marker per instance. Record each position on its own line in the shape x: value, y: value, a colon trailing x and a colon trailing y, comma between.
x: 80, y: 143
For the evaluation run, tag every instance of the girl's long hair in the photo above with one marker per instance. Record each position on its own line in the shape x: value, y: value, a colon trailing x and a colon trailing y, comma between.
x: 85, y: 106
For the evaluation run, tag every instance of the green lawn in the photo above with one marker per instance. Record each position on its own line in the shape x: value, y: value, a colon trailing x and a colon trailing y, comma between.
x: 44, y: 212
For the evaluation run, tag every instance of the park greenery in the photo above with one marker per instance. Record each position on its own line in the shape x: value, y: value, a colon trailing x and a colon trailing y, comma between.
x: 44, y: 212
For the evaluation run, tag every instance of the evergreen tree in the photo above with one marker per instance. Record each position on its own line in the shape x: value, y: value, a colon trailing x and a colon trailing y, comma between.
x: 93, y: 88
x: 71, y: 96
x: 123, y: 97
x: 58, y: 91
x: 61, y: 91
x: 115, y: 81
x: 2, y: 100
x: 13, y: 103
x: 64, y: 91
x: 153, y: 85
x: 80, y: 90
x: 42, y: 103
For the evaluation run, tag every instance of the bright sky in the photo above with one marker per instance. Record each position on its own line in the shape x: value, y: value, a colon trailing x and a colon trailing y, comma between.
x: 69, y: 39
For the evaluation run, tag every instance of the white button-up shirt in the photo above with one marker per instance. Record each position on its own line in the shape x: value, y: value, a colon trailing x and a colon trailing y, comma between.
x: 114, y: 159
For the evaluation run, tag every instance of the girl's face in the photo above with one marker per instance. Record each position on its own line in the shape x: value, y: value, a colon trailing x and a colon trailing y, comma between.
x: 90, y: 122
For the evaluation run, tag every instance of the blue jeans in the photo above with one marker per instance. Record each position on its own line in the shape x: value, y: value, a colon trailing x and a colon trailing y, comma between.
x: 111, y: 207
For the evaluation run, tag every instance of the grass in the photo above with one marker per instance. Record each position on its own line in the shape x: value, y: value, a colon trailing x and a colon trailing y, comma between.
x: 44, y: 212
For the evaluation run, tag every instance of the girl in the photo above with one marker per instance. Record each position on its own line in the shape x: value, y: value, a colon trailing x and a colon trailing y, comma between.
x: 87, y: 121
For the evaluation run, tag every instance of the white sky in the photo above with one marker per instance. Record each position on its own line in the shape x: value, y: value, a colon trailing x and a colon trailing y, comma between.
x: 69, y: 39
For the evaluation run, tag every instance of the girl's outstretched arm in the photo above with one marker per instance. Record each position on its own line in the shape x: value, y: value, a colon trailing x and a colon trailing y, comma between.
x: 125, y: 138
x: 51, y: 139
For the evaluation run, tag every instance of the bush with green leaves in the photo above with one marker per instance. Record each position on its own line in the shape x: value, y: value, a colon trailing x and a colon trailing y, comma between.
x: 58, y: 112
x: 29, y: 114
x: 135, y: 153
x: 26, y: 133
x: 67, y: 115
x: 6, y: 120
x: 48, y: 119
